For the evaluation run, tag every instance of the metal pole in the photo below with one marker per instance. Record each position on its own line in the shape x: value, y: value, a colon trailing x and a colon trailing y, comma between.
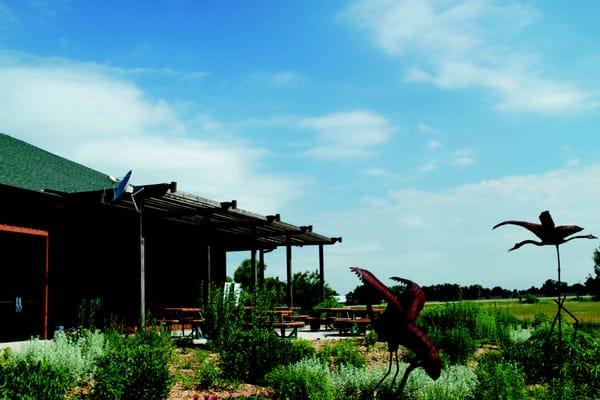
x: 142, y: 273
x: 560, y: 358
x: 321, y: 273
x: 290, y: 284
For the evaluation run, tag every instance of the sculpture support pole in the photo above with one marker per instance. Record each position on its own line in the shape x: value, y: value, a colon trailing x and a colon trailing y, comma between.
x: 559, y: 309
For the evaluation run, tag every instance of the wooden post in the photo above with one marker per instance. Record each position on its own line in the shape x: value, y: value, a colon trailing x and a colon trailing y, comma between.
x: 290, y: 284
x: 254, y: 275
x: 321, y: 273
x: 261, y: 264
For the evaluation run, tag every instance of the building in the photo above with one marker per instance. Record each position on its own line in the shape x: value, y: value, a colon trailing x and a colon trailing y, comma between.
x: 65, y: 243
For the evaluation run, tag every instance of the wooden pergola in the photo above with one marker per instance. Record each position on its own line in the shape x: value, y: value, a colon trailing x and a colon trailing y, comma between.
x: 226, y: 226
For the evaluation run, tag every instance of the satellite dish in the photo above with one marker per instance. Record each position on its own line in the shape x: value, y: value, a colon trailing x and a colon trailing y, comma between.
x: 121, y: 187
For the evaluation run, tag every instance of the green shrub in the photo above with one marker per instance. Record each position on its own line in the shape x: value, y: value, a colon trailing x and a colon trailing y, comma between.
x: 223, y: 317
x: 351, y: 383
x: 371, y: 338
x: 305, y: 380
x: 540, y: 359
x: 75, y: 353
x: 208, y: 376
x: 456, y: 343
x: 529, y: 299
x: 484, y: 326
x: 247, y: 355
x: 499, y: 380
x: 22, y: 379
x: 342, y: 352
x: 134, y: 368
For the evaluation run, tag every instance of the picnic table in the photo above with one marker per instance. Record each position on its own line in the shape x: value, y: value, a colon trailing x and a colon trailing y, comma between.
x: 352, y: 320
x: 282, y: 320
x: 183, y: 317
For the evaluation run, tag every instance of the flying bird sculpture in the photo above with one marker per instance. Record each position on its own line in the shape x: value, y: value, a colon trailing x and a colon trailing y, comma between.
x: 549, y: 234
x: 396, y: 326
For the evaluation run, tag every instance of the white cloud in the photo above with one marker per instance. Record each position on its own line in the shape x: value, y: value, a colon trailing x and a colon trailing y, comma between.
x: 428, y: 167
x: 86, y: 113
x: 434, y: 144
x: 464, y: 44
x: 348, y: 134
x: 573, y: 162
x: 424, y: 128
x: 285, y: 78
x: 445, y: 235
x: 463, y: 161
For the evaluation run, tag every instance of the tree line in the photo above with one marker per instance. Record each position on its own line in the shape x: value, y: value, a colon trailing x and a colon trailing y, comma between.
x: 455, y: 292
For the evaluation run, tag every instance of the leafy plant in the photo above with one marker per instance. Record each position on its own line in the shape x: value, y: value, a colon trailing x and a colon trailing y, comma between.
x: 500, y: 380
x: 134, y: 368
x: 75, y: 353
x: 540, y: 358
x: 249, y: 354
x: 306, y: 380
x: 342, y: 353
x: 22, y: 379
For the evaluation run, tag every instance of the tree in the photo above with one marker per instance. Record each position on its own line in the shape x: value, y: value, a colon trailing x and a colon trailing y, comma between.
x: 243, y: 273
x: 592, y: 283
x: 307, y: 290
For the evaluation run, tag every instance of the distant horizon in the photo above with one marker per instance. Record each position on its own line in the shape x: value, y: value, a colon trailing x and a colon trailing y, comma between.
x: 409, y: 128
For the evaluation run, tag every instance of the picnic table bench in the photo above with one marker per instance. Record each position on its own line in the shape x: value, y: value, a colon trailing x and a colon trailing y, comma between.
x: 283, y: 326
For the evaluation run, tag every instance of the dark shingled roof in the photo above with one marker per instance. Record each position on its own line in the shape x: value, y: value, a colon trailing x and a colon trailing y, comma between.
x: 28, y: 167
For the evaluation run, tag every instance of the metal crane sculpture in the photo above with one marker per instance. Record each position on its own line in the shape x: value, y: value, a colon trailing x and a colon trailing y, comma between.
x: 550, y: 234
x: 396, y: 326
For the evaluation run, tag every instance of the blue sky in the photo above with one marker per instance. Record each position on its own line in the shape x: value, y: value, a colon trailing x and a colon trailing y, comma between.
x: 407, y: 127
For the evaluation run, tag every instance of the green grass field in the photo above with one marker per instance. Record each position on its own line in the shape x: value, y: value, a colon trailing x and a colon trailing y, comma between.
x: 585, y: 311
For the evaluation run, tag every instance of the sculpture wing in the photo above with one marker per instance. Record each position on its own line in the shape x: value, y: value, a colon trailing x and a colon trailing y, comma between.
x: 416, y: 297
x: 370, y: 280
x: 536, y: 229
x: 564, y: 231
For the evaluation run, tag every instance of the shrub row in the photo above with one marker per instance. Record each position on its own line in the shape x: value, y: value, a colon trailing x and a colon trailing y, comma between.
x: 123, y: 368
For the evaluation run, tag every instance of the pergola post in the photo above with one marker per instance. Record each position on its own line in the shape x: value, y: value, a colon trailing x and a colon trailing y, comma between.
x: 254, y: 274
x: 321, y: 273
x: 142, y: 270
x: 290, y: 284
x: 261, y: 263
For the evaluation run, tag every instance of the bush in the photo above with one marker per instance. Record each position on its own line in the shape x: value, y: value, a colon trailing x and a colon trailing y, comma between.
x: 208, y: 376
x: 499, y: 380
x: 223, y: 317
x: 22, y: 379
x: 342, y: 352
x: 249, y: 354
x: 134, y: 368
x: 456, y: 343
x: 75, y: 353
x: 529, y: 299
x: 351, y: 383
x: 540, y: 360
x: 305, y: 380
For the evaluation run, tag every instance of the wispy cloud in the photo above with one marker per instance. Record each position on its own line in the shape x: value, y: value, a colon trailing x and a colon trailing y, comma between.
x: 347, y: 134
x: 445, y: 234
x: 103, y: 120
x: 282, y: 79
x: 463, y: 44
x: 434, y: 144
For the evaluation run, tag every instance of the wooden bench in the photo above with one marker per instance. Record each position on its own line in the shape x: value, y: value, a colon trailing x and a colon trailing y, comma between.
x: 282, y: 326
